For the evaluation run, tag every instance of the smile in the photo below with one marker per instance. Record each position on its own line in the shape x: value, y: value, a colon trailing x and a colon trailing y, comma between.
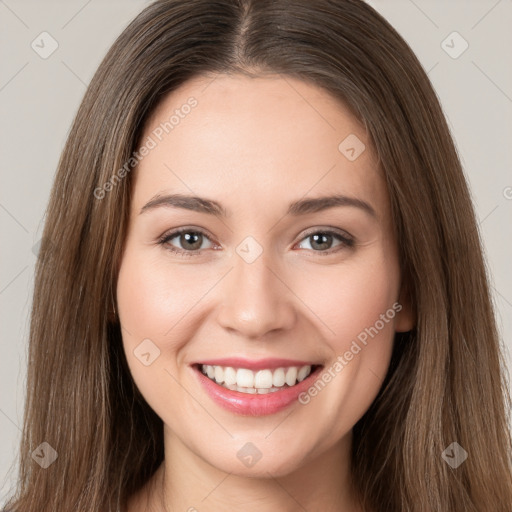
x: 263, y: 381
x: 257, y: 392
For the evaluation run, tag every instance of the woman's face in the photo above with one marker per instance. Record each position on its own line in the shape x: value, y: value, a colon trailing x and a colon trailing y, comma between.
x: 268, y: 272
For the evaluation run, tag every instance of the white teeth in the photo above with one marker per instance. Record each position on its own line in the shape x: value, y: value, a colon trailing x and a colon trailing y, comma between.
x: 303, y: 373
x: 261, y: 381
x: 219, y: 375
x: 244, y: 378
x: 234, y: 387
x: 229, y: 376
x: 278, y: 378
x: 291, y: 376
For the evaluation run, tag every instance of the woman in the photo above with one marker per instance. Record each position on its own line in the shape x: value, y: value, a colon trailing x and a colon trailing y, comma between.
x: 250, y: 292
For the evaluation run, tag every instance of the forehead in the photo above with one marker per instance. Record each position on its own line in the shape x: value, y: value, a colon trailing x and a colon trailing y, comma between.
x: 270, y: 139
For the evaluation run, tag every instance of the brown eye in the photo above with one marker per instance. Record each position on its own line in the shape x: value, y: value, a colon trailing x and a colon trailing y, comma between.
x: 322, y: 241
x: 189, y: 241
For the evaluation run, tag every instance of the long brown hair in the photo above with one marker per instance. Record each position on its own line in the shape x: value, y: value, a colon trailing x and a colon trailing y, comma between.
x: 446, y: 381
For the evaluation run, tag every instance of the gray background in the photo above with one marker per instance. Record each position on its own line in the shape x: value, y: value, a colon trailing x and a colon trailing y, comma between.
x: 39, y: 98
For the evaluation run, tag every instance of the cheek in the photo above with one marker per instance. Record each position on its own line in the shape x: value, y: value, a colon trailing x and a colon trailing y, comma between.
x: 351, y: 298
x: 152, y: 300
x: 152, y: 306
x: 157, y: 299
x: 358, y: 311
x: 356, y: 305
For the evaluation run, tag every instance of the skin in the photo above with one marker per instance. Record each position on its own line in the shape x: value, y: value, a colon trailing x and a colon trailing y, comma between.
x: 255, y: 145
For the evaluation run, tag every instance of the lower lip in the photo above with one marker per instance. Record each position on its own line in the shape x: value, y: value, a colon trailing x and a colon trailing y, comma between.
x: 254, y: 404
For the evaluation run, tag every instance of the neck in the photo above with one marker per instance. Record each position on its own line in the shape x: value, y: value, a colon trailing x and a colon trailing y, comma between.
x: 187, y: 482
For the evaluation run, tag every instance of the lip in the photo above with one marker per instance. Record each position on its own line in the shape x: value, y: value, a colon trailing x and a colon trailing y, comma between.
x: 253, y: 404
x: 260, y: 364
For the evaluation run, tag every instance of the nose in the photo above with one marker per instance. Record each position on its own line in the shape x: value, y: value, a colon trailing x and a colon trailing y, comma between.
x: 256, y: 299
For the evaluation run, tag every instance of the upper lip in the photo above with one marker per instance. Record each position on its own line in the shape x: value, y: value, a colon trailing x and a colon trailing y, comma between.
x: 260, y: 364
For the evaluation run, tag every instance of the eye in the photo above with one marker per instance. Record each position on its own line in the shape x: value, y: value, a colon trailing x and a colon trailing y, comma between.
x: 191, y: 241
x: 321, y: 241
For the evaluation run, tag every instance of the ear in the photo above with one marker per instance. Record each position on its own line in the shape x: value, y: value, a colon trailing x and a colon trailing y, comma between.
x: 405, y: 319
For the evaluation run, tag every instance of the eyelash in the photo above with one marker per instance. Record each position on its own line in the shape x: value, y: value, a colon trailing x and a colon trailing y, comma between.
x: 346, y: 241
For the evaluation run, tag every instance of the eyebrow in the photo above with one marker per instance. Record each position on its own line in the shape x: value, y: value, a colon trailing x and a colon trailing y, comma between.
x: 211, y: 207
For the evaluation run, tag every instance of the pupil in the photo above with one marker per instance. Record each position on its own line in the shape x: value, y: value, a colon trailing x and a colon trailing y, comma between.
x: 188, y: 237
x: 323, y: 237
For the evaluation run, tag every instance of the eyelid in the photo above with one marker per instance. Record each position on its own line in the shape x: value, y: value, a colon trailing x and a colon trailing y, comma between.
x: 346, y: 239
x: 329, y: 230
x: 173, y: 233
